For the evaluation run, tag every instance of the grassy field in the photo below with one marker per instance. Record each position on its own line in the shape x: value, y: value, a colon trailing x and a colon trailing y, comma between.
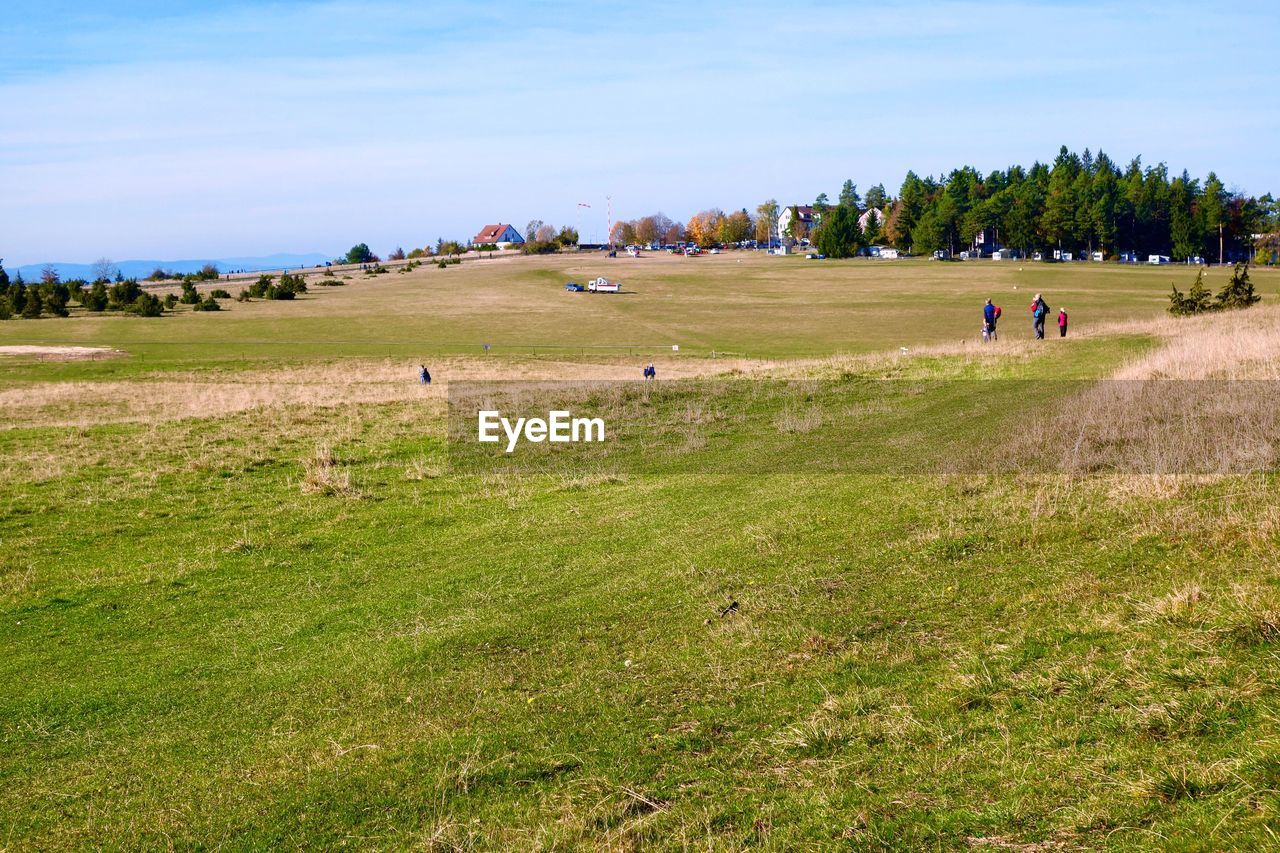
x: 745, y: 302
x: 246, y: 602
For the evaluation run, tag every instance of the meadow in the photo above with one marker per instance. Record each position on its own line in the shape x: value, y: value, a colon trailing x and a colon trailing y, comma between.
x: 246, y: 601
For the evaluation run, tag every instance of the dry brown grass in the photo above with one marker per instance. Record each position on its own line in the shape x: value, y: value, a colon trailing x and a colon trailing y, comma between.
x: 1232, y: 345
x: 201, y: 394
x: 1204, y: 403
x: 324, y: 474
x: 59, y: 353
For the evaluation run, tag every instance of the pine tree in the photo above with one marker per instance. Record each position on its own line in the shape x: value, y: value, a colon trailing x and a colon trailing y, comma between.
x: 1195, y: 301
x: 1238, y: 292
x: 849, y: 195
x: 33, y: 307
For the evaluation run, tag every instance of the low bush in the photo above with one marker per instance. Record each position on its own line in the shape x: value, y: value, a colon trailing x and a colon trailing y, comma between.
x: 207, y: 304
x: 219, y: 293
x: 1237, y: 293
x: 95, y: 298
x: 146, y: 305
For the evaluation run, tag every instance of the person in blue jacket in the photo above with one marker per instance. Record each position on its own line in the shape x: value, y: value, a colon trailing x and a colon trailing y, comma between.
x: 989, y: 319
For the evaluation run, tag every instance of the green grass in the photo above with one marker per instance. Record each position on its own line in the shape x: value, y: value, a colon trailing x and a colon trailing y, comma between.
x: 198, y: 652
x: 738, y: 303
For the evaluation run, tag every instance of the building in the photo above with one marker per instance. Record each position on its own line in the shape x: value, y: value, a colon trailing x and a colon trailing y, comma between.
x: 866, y: 217
x: 501, y: 235
x: 795, y: 222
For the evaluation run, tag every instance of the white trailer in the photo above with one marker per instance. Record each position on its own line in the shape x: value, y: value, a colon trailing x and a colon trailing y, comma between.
x: 603, y: 285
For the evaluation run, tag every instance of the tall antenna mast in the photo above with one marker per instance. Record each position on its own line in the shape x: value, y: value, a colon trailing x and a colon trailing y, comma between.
x: 608, y: 235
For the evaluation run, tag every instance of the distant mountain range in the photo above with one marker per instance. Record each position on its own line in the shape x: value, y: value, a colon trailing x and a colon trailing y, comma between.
x: 142, y: 269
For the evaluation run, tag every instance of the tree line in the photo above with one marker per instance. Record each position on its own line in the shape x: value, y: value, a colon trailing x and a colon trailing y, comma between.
x: 1080, y: 202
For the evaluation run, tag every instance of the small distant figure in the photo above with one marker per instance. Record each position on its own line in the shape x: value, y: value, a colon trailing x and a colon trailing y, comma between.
x: 650, y: 372
x: 486, y: 349
x: 424, y: 375
x: 1062, y: 322
x: 990, y: 314
x: 1039, y: 310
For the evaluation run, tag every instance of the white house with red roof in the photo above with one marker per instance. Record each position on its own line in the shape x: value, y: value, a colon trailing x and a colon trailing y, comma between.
x: 501, y: 235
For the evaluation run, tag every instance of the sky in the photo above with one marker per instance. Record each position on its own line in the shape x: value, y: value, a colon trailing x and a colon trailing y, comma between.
x: 150, y: 129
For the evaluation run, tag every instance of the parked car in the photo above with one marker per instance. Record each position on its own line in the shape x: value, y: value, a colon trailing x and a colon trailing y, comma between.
x: 574, y: 287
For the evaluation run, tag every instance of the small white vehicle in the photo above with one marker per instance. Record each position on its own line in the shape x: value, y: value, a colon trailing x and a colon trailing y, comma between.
x: 603, y: 285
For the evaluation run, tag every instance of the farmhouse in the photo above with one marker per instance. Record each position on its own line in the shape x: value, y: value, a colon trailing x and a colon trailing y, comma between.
x: 502, y: 235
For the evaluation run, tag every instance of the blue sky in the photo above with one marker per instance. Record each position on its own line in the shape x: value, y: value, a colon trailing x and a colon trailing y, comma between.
x: 204, y: 129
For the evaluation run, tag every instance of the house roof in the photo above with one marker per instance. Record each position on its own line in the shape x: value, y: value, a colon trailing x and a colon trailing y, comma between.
x: 491, y: 233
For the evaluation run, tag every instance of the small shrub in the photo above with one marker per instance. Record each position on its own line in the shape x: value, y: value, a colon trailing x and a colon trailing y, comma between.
x: 1238, y: 292
x: 219, y: 293
x: 171, y: 301
x: 243, y: 296
x: 259, y: 288
x: 33, y: 307
x: 122, y: 294
x: 95, y: 299
x: 207, y: 304
x: 330, y: 282
x: 189, y: 295
x: 146, y: 305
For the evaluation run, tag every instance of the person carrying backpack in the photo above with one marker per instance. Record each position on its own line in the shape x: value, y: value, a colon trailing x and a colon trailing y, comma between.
x: 1039, y: 310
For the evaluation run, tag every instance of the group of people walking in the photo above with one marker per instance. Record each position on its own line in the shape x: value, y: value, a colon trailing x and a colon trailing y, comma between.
x: 1039, y: 314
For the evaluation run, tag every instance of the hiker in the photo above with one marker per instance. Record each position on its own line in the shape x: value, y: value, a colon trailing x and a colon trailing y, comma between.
x: 650, y: 372
x: 424, y: 376
x: 990, y: 314
x: 1039, y: 309
x: 1062, y: 322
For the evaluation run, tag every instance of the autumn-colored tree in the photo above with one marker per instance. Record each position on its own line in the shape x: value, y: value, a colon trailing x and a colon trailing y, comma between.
x: 704, y: 227
x: 545, y: 233
x: 674, y: 234
x: 647, y: 230
x: 736, y: 227
x: 766, y: 220
x: 623, y: 234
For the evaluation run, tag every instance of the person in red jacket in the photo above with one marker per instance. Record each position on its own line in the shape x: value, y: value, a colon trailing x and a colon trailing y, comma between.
x: 1062, y: 322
